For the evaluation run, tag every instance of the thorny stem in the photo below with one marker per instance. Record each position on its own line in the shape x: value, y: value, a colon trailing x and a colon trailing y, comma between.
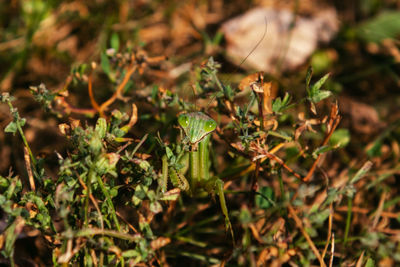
x: 17, y: 120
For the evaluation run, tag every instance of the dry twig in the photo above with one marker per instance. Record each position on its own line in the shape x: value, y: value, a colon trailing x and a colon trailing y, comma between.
x: 299, y: 225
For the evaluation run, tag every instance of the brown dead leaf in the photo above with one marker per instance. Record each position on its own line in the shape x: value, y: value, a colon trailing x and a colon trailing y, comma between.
x: 1, y: 241
x: 153, y: 33
x: 160, y: 242
x: 246, y: 81
x: 267, y: 90
x: 238, y: 146
x: 284, y: 46
x: 386, y: 262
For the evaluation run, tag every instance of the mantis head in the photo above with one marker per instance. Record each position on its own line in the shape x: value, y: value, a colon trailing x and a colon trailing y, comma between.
x: 196, y: 126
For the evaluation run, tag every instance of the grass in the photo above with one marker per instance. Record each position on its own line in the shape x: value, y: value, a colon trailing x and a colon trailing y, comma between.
x: 305, y: 184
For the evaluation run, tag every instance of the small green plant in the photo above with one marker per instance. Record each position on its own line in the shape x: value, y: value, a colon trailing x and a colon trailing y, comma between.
x: 106, y: 172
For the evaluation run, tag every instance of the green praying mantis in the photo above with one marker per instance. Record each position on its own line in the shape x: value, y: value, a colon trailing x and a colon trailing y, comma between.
x: 197, y: 128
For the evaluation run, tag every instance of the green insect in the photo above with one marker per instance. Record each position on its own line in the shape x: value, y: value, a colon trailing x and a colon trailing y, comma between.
x: 197, y: 128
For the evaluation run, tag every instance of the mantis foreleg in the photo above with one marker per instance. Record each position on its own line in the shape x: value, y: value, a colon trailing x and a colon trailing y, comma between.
x: 199, y: 167
x: 213, y: 185
x: 204, y: 171
x: 176, y: 176
x: 216, y: 185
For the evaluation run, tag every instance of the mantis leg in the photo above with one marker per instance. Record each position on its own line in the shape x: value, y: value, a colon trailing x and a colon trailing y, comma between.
x: 204, y: 154
x: 176, y: 177
x: 216, y: 185
x: 163, y: 181
x: 199, y: 164
x: 213, y: 185
x: 194, y: 169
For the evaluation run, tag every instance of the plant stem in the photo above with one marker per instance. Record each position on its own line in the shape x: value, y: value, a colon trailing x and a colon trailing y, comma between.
x: 281, y: 186
x: 348, y: 220
x: 109, y: 202
x: 17, y: 120
x: 90, y: 178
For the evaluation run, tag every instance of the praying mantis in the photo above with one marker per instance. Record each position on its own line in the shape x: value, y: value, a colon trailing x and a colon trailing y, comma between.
x: 197, y: 128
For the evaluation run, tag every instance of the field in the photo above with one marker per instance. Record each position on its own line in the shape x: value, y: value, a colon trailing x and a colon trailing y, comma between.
x: 198, y: 133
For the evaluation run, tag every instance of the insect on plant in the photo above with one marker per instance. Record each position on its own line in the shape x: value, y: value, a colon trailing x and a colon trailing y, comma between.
x: 197, y: 128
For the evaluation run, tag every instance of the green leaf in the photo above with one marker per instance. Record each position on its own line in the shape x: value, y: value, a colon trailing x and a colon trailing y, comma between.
x: 264, y: 199
x: 10, y: 238
x: 370, y: 263
x: 114, y: 41
x: 11, y: 128
x: 308, y: 78
x: 311, y: 231
x: 105, y: 64
x: 317, y: 86
x: 321, y: 150
x: 22, y: 122
x: 144, y: 165
x: 320, y: 95
x: 279, y: 105
x: 340, y: 138
x: 169, y: 152
x: 80, y: 69
x: 171, y: 195
x: 42, y: 219
x: 315, y: 94
x: 385, y: 25
x: 96, y: 145
x: 245, y: 216
x: 130, y: 253
x: 4, y: 183
x: 155, y: 207
x: 320, y: 217
x: 361, y: 172
x: 375, y: 150
x: 113, y: 192
x: 140, y: 192
x: 101, y: 127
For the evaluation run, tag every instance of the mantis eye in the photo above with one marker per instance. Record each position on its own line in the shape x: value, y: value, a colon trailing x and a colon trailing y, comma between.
x: 183, y: 120
x: 210, y: 126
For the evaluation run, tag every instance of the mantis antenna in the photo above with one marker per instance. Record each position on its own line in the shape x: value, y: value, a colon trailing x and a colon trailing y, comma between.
x: 243, y: 60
